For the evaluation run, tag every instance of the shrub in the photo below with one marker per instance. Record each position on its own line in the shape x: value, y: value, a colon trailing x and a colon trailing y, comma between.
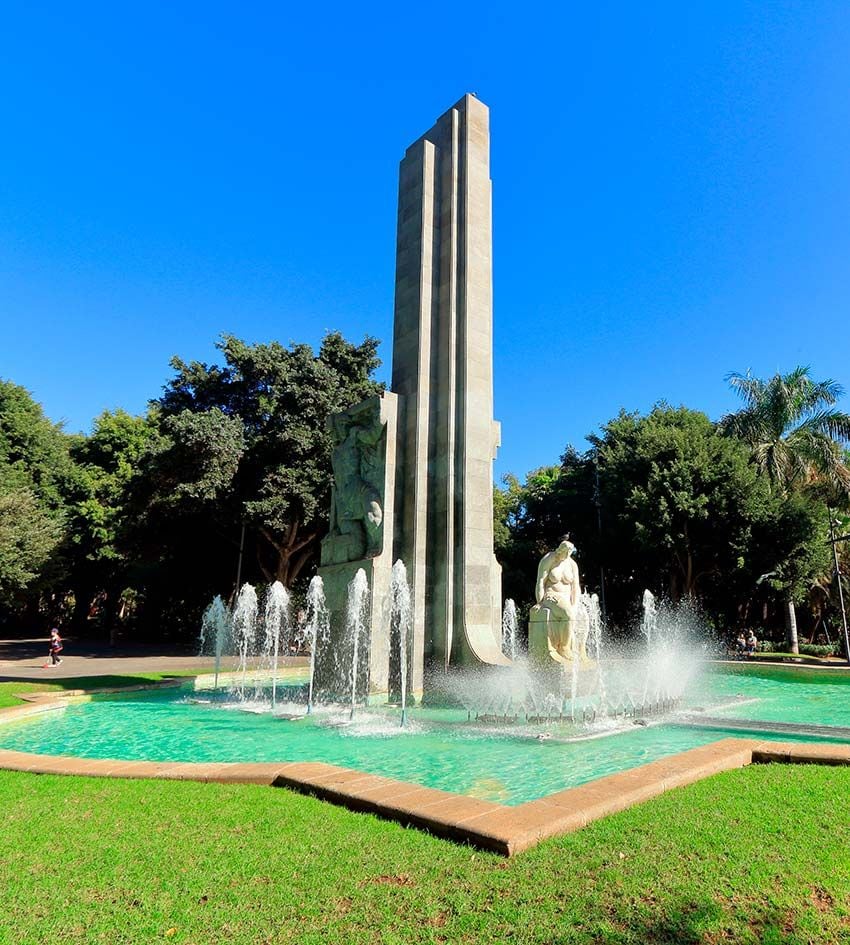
x: 816, y: 649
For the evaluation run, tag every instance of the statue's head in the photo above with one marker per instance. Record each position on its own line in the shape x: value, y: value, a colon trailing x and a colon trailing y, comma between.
x: 565, y: 546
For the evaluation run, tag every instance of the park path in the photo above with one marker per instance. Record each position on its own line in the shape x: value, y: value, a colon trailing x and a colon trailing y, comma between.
x: 25, y: 659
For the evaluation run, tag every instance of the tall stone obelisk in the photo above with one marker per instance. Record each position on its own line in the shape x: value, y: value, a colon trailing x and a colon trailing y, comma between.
x: 413, y: 468
x: 443, y: 375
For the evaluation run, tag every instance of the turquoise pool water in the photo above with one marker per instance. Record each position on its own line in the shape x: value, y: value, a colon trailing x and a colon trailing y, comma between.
x: 777, y: 694
x: 438, y: 749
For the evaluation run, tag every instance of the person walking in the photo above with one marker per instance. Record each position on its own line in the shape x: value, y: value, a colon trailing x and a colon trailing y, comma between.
x: 55, y: 648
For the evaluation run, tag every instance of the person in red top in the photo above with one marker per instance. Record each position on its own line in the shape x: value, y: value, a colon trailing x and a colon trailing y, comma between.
x: 55, y: 647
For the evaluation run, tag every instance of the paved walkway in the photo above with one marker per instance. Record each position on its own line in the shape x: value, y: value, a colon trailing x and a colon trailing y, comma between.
x: 25, y: 659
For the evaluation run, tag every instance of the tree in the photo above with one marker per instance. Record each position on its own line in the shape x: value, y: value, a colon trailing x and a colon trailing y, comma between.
x: 247, y: 442
x: 33, y: 451
x: 527, y: 522
x: 107, y: 462
x: 29, y: 535
x: 795, y: 435
x: 683, y: 512
x: 680, y: 504
x: 36, y: 474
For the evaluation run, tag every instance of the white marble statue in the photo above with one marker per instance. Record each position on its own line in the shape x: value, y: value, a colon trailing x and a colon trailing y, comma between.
x: 556, y: 625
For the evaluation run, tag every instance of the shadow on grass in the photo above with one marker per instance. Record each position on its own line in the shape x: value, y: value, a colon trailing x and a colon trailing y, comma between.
x: 709, y: 923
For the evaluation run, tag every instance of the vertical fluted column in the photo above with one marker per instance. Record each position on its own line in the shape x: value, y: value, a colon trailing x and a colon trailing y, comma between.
x: 442, y: 372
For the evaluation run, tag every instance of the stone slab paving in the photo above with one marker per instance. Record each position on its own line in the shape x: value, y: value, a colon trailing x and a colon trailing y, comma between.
x: 484, y: 824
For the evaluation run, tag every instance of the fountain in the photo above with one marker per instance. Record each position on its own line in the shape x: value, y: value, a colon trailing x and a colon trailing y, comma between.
x: 413, y: 482
x: 572, y: 677
x: 407, y: 601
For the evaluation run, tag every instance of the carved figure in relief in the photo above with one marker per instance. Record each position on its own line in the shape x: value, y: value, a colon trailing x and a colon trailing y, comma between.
x: 555, y: 622
x: 356, y: 526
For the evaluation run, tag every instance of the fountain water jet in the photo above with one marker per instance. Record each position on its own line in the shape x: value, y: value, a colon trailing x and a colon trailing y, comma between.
x: 595, y: 636
x: 245, y: 629
x: 400, y: 618
x: 318, y: 626
x: 276, y: 619
x: 215, y: 623
x: 509, y: 626
x: 574, y: 666
x: 356, y: 617
x: 649, y: 628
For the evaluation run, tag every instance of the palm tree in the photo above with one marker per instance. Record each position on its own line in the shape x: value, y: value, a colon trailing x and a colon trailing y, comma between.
x: 796, y: 436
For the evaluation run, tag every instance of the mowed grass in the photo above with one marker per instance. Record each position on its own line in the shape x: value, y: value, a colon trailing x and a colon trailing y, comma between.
x: 760, y: 854
x: 9, y: 690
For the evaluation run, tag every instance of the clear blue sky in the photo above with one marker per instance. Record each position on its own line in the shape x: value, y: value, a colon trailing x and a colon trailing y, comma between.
x: 671, y: 192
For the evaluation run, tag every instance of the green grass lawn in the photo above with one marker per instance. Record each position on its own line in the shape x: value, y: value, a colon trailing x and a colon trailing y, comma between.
x: 9, y: 690
x: 754, y: 855
x: 798, y: 658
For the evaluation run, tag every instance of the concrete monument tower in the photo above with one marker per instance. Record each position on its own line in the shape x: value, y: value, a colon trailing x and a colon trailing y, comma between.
x: 419, y: 466
x: 443, y: 374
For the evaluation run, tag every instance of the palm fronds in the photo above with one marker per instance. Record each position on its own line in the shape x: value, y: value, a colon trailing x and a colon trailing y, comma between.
x: 790, y: 424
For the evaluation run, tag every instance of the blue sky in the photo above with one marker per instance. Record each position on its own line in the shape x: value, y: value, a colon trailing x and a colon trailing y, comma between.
x: 671, y: 192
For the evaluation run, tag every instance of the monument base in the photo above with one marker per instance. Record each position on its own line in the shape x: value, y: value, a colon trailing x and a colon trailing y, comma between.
x: 360, y: 538
x: 335, y: 663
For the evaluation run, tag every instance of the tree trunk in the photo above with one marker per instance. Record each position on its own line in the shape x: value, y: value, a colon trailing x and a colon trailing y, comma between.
x: 289, y: 555
x: 83, y: 597
x: 110, y: 613
x: 791, y: 626
x: 690, y: 580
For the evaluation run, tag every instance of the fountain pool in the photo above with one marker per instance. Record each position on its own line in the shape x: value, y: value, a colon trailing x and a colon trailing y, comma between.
x: 439, y: 747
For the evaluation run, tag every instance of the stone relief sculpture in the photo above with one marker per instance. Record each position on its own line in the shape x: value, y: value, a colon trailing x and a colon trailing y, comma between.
x: 358, y: 460
x: 557, y: 627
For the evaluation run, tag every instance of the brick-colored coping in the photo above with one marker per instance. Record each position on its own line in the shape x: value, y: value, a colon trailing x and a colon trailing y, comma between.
x: 484, y: 824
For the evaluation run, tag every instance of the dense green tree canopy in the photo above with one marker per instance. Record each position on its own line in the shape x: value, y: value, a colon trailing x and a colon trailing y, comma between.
x: 681, y: 500
x: 668, y: 502
x: 231, y: 469
x: 106, y: 462
x: 36, y: 473
x: 247, y: 442
x: 29, y: 534
x: 34, y: 453
x: 796, y: 437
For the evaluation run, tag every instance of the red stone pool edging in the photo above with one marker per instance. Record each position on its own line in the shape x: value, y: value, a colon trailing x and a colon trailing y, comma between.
x: 483, y: 824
